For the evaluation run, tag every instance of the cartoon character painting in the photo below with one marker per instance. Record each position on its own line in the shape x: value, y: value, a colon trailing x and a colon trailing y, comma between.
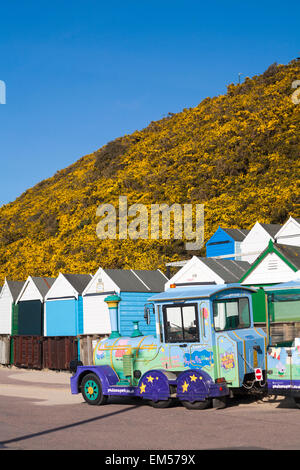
x: 227, y: 360
x: 198, y: 359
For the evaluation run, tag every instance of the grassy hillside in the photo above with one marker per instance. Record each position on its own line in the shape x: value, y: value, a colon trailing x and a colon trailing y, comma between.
x: 238, y: 154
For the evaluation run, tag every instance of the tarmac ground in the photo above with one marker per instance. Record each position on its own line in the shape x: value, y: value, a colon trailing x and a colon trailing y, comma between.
x: 38, y: 412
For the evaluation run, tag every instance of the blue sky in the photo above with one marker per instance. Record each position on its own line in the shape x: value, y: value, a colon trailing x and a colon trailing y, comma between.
x: 81, y: 73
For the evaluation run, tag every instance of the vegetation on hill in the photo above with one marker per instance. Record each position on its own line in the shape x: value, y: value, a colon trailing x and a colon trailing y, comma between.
x: 238, y: 154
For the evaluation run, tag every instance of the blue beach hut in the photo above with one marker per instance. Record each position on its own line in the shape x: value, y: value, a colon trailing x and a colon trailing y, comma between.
x: 134, y: 286
x: 64, y: 306
x: 226, y: 241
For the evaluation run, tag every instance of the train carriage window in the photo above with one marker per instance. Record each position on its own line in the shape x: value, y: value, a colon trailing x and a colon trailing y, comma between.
x: 231, y: 314
x: 174, y: 324
x: 189, y: 322
x: 181, y: 323
x: 244, y: 314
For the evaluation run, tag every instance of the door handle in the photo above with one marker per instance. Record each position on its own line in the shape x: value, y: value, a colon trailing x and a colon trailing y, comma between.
x: 183, y: 345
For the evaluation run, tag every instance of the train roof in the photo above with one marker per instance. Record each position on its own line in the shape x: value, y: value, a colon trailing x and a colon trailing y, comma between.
x: 284, y: 285
x: 196, y: 292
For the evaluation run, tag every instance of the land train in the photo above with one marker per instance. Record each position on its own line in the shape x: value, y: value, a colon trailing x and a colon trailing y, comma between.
x: 205, y: 350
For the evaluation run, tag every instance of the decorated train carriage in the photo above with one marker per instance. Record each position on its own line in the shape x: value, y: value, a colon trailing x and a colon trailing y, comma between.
x: 205, y: 345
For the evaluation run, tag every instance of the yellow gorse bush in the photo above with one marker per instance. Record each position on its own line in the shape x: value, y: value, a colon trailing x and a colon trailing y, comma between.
x: 238, y: 154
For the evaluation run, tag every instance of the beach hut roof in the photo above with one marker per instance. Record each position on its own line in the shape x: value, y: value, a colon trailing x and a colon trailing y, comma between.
x: 15, y: 288
x: 43, y: 284
x: 137, y: 280
x: 78, y: 281
x: 237, y: 234
x: 272, y: 229
x: 229, y: 270
x: 287, y: 253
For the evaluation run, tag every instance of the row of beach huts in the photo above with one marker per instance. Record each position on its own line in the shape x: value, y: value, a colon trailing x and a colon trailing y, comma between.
x: 44, y: 318
x: 47, y: 322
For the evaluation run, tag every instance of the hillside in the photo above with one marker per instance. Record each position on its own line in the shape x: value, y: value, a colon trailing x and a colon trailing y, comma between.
x: 237, y: 153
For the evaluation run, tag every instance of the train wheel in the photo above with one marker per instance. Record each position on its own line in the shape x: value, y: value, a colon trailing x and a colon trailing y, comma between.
x: 219, y: 403
x: 197, y: 405
x: 297, y: 401
x: 160, y: 403
x: 92, y: 391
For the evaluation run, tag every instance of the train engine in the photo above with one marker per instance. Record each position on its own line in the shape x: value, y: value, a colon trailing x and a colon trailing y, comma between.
x: 205, y: 349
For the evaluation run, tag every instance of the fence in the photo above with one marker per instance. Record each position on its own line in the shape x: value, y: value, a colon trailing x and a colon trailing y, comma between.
x: 4, y: 349
x: 28, y: 351
x: 40, y: 352
x: 87, y: 344
x: 59, y: 351
x: 282, y: 332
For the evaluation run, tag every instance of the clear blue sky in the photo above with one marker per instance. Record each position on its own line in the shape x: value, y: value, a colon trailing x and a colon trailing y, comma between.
x: 81, y: 73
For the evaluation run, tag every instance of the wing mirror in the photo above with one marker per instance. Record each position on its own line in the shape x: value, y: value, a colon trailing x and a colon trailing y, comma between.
x: 148, y: 311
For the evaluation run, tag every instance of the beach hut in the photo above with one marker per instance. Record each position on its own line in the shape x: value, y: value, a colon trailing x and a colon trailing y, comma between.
x: 256, y: 241
x: 289, y: 234
x: 276, y: 265
x: 30, y: 303
x: 133, y: 286
x: 27, y: 342
x: 63, y: 315
x: 226, y: 242
x: 8, y: 307
x: 8, y: 318
x: 199, y: 271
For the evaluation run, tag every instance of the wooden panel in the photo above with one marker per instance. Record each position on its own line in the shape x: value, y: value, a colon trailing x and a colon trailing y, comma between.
x: 282, y: 331
x: 220, y: 244
x: 5, y: 349
x: 5, y: 313
x: 271, y: 270
x: 101, y: 282
x: 15, y: 319
x: 87, y: 343
x: 256, y: 241
x: 28, y: 352
x: 131, y: 308
x: 30, y: 292
x: 59, y: 351
x: 30, y: 318
x: 61, y: 288
x: 289, y: 234
x: 96, y: 318
x: 61, y: 317
x: 194, y: 271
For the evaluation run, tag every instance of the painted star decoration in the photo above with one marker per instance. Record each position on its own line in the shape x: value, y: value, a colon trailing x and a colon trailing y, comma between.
x: 150, y: 380
x: 185, y: 386
x: 193, y: 378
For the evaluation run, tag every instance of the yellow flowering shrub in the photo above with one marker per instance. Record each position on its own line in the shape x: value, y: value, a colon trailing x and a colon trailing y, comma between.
x: 238, y: 154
